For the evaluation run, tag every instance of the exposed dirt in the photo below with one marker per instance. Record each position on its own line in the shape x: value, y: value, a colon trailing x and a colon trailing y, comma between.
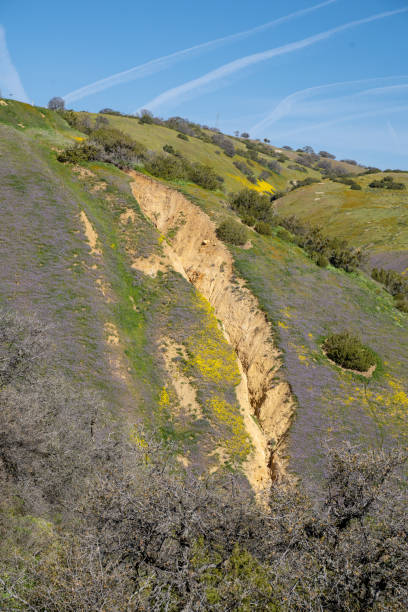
x: 206, y: 262
x: 90, y: 234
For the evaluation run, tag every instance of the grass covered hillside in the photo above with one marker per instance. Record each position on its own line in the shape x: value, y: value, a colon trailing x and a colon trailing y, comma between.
x: 375, y: 218
x: 72, y: 250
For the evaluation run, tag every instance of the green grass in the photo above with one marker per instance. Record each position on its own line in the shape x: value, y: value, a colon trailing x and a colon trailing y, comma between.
x: 374, y: 219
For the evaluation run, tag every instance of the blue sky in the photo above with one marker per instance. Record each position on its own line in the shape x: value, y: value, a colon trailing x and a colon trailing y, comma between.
x: 334, y: 77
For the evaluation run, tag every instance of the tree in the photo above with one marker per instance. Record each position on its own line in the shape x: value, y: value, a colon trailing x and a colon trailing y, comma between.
x: 56, y: 103
x: 327, y: 154
x: 244, y: 135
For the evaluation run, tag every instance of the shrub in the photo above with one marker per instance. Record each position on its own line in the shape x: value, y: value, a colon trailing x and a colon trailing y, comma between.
x: 203, y: 175
x: 169, y: 149
x: 309, y: 180
x: 275, y: 166
x: 224, y: 143
x: 80, y: 153
x: 283, y: 234
x: 348, y: 352
x: 182, y: 136
x: 320, y: 260
x: 249, y: 202
x: 231, y: 231
x: 402, y: 304
x: 312, y: 239
x: 248, y: 220
x: 167, y: 167
x: 265, y: 175
x: 355, y: 186
x: 263, y: 228
x: 242, y: 166
x: 386, y: 183
x: 296, y: 167
x: 327, y: 155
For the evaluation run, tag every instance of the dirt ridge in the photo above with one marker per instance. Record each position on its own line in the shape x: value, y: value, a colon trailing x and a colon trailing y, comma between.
x: 207, y: 263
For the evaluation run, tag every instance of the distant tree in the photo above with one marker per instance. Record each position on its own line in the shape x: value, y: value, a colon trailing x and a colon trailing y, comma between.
x: 236, y: 133
x: 244, y: 135
x: 56, y: 103
x: 267, y: 140
x: 146, y: 116
x: 308, y: 149
x: 327, y: 154
x: 287, y: 147
x: 349, y: 161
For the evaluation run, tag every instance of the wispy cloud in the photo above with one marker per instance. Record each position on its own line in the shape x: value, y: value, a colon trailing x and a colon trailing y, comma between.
x: 177, y: 94
x: 288, y: 104
x: 161, y: 63
x: 344, y: 118
x: 10, y: 82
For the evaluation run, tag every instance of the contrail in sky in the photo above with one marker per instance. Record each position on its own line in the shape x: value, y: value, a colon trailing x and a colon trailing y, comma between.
x: 160, y: 63
x: 285, y: 106
x: 182, y: 91
x: 10, y: 81
x: 363, y: 115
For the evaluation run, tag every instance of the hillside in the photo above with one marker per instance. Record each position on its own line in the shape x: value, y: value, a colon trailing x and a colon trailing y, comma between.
x: 209, y: 347
x: 118, y: 287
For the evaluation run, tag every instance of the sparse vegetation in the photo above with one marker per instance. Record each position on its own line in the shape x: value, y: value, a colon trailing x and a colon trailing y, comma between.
x: 312, y: 239
x: 396, y: 284
x: 387, y: 182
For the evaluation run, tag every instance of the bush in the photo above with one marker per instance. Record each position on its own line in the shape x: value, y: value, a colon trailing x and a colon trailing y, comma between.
x: 249, y: 202
x: 80, y: 153
x: 321, y: 260
x: 243, y: 167
x: 248, y: 220
x: 182, y: 136
x: 386, y: 183
x: 312, y: 239
x: 175, y: 167
x: 275, y: 166
x: 355, y: 186
x: 263, y: 228
x: 204, y: 176
x: 224, y: 143
x: 167, y: 167
x: 348, y: 352
x: 283, y: 234
x: 232, y: 232
x: 169, y: 149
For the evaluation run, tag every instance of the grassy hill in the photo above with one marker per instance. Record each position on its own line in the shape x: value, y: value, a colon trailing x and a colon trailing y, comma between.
x: 163, y: 376
x: 372, y: 218
x: 111, y: 319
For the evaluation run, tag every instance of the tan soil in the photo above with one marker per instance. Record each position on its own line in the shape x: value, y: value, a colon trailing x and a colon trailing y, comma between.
x: 3, y: 103
x: 186, y: 393
x: 128, y: 215
x: 208, y: 264
x: 90, y: 234
x: 83, y: 172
